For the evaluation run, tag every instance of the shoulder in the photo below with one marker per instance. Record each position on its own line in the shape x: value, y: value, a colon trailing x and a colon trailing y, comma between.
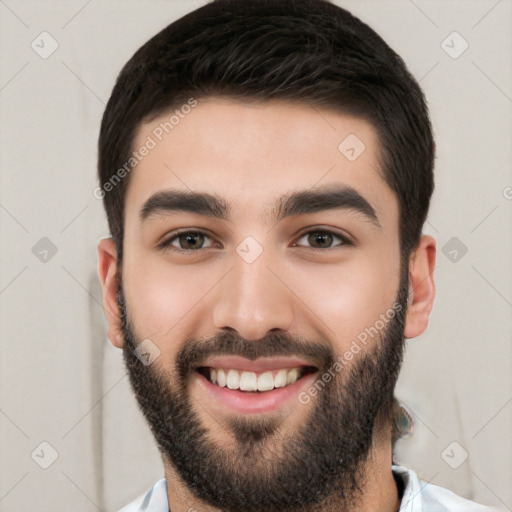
x: 155, y: 500
x: 421, y: 496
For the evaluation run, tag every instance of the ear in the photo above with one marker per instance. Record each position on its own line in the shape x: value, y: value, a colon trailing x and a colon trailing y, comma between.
x: 421, y: 287
x: 107, y: 271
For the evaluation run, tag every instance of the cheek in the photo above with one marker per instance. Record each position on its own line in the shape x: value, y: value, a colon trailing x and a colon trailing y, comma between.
x: 349, y: 298
x: 164, y: 299
x: 156, y: 295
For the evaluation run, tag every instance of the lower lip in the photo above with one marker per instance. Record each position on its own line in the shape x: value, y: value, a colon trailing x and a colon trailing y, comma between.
x: 254, y: 402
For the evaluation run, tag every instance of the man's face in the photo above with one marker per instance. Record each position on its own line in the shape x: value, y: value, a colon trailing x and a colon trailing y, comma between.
x: 263, y: 298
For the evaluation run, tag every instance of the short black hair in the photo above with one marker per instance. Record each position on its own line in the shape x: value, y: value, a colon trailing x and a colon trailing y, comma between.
x: 309, y: 51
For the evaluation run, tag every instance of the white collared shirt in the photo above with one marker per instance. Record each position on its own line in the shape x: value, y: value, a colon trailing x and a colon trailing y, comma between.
x: 418, y: 496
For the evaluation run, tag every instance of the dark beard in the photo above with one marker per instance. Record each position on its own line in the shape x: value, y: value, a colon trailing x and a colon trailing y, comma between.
x: 269, y: 470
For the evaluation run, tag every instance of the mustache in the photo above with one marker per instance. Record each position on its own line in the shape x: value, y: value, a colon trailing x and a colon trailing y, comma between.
x: 196, y: 352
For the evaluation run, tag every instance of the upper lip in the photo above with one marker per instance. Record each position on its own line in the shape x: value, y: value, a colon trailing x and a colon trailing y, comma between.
x: 258, y: 365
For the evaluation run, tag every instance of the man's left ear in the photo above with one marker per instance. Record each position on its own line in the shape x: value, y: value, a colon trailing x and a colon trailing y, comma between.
x: 421, y: 287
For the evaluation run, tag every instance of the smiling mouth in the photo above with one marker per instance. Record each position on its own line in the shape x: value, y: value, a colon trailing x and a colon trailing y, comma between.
x: 260, y: 382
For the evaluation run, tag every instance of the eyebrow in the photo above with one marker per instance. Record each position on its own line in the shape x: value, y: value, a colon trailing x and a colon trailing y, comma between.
x: 291, y: 204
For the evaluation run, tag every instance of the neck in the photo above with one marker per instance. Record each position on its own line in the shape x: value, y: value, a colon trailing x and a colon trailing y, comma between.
x: 379, y: 490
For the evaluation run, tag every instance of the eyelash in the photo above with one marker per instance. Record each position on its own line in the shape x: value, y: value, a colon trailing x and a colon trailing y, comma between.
x: 167, y: 244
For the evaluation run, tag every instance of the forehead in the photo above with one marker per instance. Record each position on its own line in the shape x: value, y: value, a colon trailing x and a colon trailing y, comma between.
x: 251, y: 154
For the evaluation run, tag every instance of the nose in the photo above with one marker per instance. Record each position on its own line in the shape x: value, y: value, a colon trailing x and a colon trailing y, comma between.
x: 254, y: 298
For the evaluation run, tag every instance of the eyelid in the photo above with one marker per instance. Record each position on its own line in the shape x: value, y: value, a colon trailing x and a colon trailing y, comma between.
x: 166, y: 243
x: 345, y: 240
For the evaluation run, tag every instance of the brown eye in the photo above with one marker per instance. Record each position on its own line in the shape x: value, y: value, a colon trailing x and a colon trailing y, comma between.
x: 323, y: 239
x: 187, y: 241
x: 320, y: 239
x: 191, y: 240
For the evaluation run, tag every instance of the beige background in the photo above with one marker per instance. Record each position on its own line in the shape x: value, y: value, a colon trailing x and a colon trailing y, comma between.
x: 64, y: 384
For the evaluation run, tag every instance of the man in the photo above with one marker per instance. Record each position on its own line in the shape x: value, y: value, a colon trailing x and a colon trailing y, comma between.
x: 266, y: 168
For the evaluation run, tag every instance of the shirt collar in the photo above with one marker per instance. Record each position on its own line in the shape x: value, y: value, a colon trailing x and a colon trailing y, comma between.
x: 411, y: 498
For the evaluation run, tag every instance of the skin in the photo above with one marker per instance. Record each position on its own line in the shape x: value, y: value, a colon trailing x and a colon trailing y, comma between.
x: 328, y: 295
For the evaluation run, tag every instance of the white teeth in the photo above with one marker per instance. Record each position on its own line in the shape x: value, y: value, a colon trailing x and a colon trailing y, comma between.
x: 233, y: 379
x: 293, y: 375
x: 221, y: 378
x: 265, y: 382
x: 280, y: 379
x: 250, y: 381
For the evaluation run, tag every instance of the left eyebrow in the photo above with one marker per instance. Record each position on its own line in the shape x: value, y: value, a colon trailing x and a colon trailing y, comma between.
x: 291, y: 204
